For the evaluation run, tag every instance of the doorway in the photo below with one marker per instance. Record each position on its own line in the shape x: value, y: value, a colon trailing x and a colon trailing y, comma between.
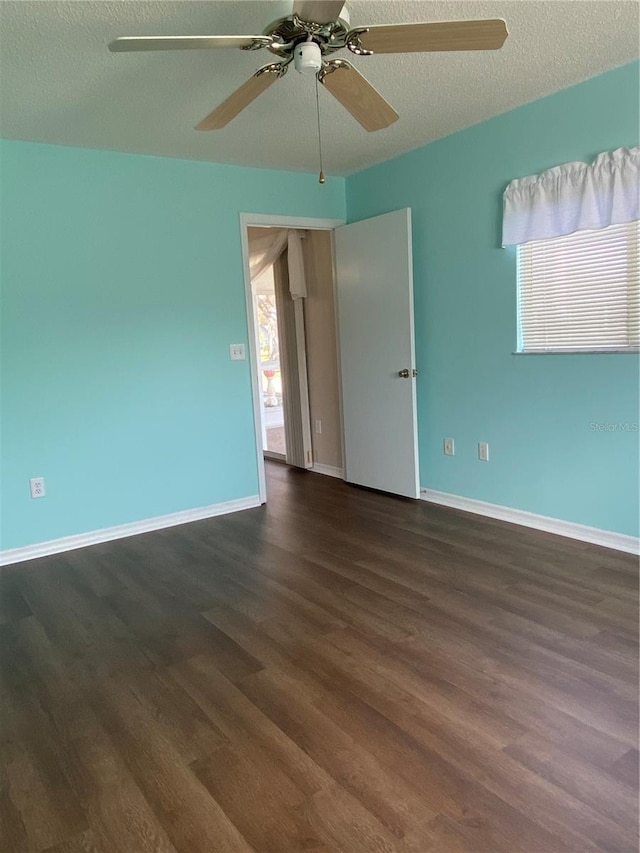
x: 371, y: 272
x: 292, y: 346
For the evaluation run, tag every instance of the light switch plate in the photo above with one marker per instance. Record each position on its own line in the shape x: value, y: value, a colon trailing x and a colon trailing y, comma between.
x: 483, y: 451
x: 236, y: 351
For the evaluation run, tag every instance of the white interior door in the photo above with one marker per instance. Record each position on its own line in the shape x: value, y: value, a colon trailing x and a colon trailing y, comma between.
x: 374, y: 285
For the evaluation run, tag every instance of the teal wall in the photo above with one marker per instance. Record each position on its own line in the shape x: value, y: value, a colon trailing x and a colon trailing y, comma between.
x: 535, y: 411
x: 122, y: 288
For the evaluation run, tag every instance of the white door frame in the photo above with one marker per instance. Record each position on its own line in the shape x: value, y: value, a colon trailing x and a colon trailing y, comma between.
x: 270, y: 221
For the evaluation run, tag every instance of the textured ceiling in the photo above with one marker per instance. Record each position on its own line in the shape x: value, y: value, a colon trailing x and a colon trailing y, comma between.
x: 61, y: 85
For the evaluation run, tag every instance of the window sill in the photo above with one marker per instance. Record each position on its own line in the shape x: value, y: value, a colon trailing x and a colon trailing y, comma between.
x: 626, y: 350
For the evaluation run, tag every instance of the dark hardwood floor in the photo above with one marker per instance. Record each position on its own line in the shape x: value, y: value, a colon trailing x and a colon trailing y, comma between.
x: 337, y: 672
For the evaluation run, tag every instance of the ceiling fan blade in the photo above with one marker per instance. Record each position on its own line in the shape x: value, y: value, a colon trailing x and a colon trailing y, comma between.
x: 131, y: 43
x: 488, y: 34
x: 318, y: 11
x: 242, y: 97
x: 356, y: 94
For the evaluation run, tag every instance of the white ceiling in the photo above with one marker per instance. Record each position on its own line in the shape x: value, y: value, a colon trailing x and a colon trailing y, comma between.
x: 61, y: 85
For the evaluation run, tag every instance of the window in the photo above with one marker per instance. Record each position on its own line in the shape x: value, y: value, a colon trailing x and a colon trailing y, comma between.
x: 580, y: 292
x: 576, y: 229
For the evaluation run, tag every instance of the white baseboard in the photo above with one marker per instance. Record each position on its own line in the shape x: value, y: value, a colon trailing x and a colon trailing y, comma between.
x: 606, y: 538
x: 327, y: 470
x: 106, y: 534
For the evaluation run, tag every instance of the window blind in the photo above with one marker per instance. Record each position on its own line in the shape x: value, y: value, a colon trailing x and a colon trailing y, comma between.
x: 580, y: 292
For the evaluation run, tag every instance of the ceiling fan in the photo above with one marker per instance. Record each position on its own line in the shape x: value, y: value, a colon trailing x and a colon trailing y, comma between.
x: 315, y: 30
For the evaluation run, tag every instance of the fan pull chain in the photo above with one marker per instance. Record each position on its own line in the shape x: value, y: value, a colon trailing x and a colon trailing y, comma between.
x: 321, y: 178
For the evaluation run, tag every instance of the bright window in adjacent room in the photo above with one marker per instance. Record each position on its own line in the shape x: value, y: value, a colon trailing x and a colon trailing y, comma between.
x: 580, y: 292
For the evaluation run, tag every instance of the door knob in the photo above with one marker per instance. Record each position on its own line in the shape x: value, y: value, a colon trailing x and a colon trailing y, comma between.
x: 404, y: 374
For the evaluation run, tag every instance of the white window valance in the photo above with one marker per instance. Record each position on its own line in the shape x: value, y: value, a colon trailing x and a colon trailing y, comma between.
x: 265, y: 247
x: 573, y: 197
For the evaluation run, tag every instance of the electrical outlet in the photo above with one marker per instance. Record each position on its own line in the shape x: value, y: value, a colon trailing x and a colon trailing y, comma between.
x: 236, y: 352
x: 36, y: 487
x: 318, y: 427
x: 483, y: 451
x: 449, y: 447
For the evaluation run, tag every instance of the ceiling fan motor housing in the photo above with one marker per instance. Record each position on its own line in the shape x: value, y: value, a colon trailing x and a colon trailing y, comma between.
x: 307, y: 57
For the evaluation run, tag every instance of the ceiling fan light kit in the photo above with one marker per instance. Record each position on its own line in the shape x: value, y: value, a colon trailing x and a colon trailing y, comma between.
x: 315, y: 30
x: 307, y: 57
